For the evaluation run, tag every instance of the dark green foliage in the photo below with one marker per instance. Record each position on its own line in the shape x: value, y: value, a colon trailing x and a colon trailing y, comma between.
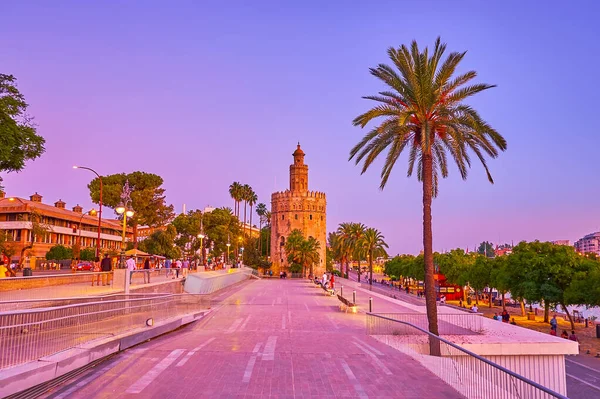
x: 59, y: 252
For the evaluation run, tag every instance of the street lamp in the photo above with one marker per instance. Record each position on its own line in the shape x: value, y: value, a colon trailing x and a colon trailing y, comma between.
x: 201, y: 237
x: 91, y: 212
x: 228, y: 245
x: 126, y: 212
x: 99, y: 205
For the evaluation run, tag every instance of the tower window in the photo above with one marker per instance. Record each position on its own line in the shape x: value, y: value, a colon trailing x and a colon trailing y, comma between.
x: 321, y: 218
x: 310, y: 217
x: 282, y: 217
x: 296, y: 216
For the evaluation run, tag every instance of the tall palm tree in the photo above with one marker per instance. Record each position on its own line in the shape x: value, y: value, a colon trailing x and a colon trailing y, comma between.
x: 345, y: 243
x: 423, y: 112
x: 334, y: 242
x: 357, y: 231
x: 252, y: 199
x: 268, y: 223
x: 373, y: 243
x: 245, y: 194
x: 235, y: 189
x: 260, y: 211
x: 309, y: 254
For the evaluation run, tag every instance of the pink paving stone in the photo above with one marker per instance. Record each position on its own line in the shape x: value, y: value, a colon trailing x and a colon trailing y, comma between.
x: 303, y: 360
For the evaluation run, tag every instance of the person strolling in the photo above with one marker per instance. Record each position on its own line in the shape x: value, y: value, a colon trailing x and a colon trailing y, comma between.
x: 185, y: 267
x: 130, y: 266
x: 147, y: 271
x: 106, y: 267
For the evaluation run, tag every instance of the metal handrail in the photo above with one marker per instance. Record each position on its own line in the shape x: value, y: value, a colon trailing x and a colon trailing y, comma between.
x: 40, y: 310
x: 461, y: 349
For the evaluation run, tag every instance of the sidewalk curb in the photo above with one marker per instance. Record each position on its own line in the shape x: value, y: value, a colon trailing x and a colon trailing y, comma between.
x: 19, y: 378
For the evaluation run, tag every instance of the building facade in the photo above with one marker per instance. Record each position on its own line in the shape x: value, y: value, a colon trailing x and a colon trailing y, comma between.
x: 65, y: 227
x: 589, y: 243
x: 297, y: 208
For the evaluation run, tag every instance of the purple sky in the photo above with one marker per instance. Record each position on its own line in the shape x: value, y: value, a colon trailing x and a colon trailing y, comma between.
x: 205, y: 94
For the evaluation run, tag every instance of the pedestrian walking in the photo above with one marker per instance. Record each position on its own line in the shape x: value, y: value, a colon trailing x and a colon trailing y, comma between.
x: 106, y: 267
x: 167, y: 267
x: 505, y: 317
x: 96, y: 269
x: 554, y: 324
x: 177, y: 267
x: 130, y: 265
x: 573, y: 337
x: 147, y: 271
x: 185, y: 267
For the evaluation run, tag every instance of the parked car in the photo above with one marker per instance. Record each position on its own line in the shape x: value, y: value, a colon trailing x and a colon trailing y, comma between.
x: 83, y: 266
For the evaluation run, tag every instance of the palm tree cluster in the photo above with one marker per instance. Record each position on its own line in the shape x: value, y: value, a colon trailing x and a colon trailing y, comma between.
x: 242, y: 192
x: 302, y: 251
x: 423, y: 112
x: 264, y: 216
x: 355, y: 241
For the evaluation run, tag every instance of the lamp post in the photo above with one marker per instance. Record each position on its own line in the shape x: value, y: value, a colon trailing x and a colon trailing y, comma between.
x: 228, y: 245
x: 201, y: 237
x: 99, y: 206
x: 124, y: 209
x: 91, y: 212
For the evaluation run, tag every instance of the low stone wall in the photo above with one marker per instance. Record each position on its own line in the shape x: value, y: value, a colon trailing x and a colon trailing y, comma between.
x: 24, y: 283
x: 165, y: 287
x: 209, y: 282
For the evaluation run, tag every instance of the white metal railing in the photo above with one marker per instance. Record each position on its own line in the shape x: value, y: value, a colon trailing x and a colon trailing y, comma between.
x: 468, y: 373
x: 28, y: 335
x: 448, y: 323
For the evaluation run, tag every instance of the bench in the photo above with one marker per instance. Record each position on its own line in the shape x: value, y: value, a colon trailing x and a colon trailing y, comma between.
x: 346, y: 304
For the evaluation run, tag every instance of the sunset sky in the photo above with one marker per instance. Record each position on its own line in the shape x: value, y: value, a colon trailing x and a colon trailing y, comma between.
x: 206, y: 93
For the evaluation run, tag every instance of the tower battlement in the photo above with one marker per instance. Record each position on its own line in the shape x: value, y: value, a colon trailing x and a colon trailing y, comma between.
x: 289, y: 194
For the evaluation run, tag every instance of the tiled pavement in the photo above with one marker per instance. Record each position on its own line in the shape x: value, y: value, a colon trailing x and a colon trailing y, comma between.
x: 271, y: 339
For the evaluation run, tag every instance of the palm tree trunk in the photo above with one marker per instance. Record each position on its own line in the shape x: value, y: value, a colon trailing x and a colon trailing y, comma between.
x: 430, y: 302
x: 359, y: 269
x: 244, y: 231
x: 260, y: 236
x: 250, y: 228
x: 522, y: 303
x: 370, y: 267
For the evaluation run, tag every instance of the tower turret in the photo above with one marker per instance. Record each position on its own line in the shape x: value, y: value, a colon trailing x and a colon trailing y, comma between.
x: 298, y: 172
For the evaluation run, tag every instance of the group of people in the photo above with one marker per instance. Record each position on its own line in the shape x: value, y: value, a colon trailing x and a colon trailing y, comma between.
x: 564, y: 334
x: 283, y: 275
x: 327, y: 281
x: 172, y: 268
x: 503, y: 317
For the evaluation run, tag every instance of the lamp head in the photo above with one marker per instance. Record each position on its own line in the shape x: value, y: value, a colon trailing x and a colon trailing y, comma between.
x: 228, y: 245
x: 92, y: 212
x: 120, y: 209
x: 75, y: 167
x: 201, y: 236
x: 129, y: 213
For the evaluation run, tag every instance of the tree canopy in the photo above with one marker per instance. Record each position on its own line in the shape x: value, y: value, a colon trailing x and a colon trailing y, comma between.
x: 19, y: 141
x: 147, y: 198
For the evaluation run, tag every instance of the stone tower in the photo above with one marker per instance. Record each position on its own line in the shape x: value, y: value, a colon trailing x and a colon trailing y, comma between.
x: 297, y: 208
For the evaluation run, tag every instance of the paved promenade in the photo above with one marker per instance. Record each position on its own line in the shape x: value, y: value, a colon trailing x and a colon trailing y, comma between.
x: 270, y: 339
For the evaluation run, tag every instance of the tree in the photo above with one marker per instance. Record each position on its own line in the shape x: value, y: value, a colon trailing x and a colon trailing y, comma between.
x: 147, y: 198
x: 357, y: 232
x: 261, y: 209
x: 221, y: 226
x: 302, y: 251
x: 487, y: 249
x: 188, y: 226
x: 252, y: 199
x: 480, y: 276
x: 162, y: 242
x: 235, y: 191
x: 344, y: 242
x: 423, y: 112
x: 373, y: 243
x: 88, y: 254
x: 39, y: 229
x: 59, y: 252
x: 500, y: 279
x: 19, y: 141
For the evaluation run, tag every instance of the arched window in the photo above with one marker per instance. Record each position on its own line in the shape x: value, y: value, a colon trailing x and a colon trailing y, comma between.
x: 310, y: 217
x: 282, y: 217
x: 296, y: 216
x: 282, y: 241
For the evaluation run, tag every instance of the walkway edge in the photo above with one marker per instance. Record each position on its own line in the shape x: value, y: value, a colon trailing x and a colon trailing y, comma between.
x: 28, y: 375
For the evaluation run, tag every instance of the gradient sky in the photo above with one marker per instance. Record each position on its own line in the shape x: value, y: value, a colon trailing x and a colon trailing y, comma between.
x: 205, y: 93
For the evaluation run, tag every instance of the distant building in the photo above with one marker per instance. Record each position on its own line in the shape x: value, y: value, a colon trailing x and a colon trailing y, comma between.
x: 297, y: 208
x: 562, y: 242
x: 66, y: 227
x: 589, y: 243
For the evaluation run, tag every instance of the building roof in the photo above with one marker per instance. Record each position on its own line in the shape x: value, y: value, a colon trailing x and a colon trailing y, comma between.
x: 15, y: 204
x: 298, y: 151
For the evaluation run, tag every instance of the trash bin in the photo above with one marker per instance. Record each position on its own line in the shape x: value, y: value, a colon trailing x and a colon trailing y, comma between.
x: 597, y: 330
x: 531, y: 316
x: 27, y: 272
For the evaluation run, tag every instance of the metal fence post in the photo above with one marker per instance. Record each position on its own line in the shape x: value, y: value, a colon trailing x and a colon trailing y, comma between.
x: 370, y: 305
x: 354, y: 297
x: 342, y: 291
